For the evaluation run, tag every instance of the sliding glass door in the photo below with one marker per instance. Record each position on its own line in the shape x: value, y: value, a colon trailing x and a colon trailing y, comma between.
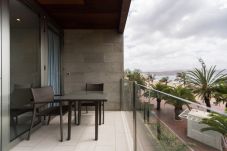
x: 20, y: 66
x: 25, y: 68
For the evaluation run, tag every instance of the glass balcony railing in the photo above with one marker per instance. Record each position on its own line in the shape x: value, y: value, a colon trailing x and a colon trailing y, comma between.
x: 176, y: 127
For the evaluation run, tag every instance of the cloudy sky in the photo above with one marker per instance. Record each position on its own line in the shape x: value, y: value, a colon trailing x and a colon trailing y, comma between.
x: 163, y: 35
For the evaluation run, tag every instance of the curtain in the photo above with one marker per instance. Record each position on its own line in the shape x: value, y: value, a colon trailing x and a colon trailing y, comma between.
x: 54, y: 61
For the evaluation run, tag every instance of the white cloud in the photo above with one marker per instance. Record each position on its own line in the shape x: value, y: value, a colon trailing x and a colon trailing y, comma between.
x: 171, y: 35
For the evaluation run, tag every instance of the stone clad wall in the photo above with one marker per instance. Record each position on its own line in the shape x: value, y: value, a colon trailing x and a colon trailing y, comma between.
x: 93, y: 56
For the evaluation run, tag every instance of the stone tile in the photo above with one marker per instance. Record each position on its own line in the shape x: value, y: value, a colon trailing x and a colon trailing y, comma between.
x: 18, y: 148
x: 64, y: 148
x: 111, y: 138
x: 86, y: 146
x: 105, y: 148
x: 121, y: 142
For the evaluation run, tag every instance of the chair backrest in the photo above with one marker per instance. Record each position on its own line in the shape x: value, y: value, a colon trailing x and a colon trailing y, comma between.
x: 94, y: 87
x: 21, y: 95
x: 44, y: 94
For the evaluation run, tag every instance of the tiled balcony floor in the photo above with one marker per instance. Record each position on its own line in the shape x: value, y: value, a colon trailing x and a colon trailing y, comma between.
x: 112, y: 136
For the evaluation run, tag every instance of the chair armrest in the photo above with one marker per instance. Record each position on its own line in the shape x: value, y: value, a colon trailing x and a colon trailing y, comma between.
x: 42, y: 102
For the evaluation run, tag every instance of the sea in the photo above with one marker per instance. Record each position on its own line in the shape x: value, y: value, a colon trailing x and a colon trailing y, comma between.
x: 171, y: 77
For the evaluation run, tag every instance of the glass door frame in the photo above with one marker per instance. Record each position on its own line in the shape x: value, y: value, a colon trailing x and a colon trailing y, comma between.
x: 0, y: 77
x: 5, y: 75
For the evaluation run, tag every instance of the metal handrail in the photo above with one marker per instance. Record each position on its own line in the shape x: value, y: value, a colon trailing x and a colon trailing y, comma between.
x: 181, y: 99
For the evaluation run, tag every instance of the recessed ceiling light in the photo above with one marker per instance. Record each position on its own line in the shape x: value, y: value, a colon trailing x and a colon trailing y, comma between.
x: 18, y: 20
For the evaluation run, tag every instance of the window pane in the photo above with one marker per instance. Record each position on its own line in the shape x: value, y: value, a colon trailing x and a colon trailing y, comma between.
x: 24, y: 65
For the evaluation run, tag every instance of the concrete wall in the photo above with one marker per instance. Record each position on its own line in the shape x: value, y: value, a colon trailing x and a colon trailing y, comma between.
x: 93, y: 56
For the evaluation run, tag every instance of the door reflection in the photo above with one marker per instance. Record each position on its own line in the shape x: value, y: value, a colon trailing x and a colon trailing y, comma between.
x: 24, y: 65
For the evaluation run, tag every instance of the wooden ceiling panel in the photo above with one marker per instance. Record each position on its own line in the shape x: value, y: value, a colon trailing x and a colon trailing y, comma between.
x: 61, y: 2
x: 88, y: 14
x: 94, y: 20
x: 81, y: 9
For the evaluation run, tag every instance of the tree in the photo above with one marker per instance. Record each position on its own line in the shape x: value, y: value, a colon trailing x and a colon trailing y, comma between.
x: 182, y: 92
x: 164, y: 80
x: 220, y: 94
x: 160, y: 87
x: 135, y: 76
x: 182, y: 77
x: 215, y: 122
x: 151, y: 77
x: 204, y: 80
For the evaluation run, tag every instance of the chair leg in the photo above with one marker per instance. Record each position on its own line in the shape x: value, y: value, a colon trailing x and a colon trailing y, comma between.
x: 48, y: 122
x: 100, y: 112
x: 14, y: 124
x: 32, y: 122
x: 79, y: 112
x: 86, y: 109
x: 39, y: 117
x: 103, y: 113
x: 61, y: 123
x: 75, y: 113
x: 16, y: 119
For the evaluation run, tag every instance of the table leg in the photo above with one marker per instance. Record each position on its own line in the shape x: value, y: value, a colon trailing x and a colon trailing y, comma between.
x: 61, y: 122
x: 100, y: 112
x: 69, y: 120
x: 96, y: 120
x: 79, y: 112
x: 103, y: 117
x: 75, y: 119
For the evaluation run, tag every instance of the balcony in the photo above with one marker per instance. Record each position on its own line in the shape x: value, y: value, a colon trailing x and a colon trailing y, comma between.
x: 138, y: 126
x: 85, y: 48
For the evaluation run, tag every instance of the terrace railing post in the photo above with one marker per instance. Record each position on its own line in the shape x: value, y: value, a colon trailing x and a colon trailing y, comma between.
x: 144, y: 113
x: 121, y: 93
x: 134, y: 116
x: 148, y: 113
x: 149, y: 106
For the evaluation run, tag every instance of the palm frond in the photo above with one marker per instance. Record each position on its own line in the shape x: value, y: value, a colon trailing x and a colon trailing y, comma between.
x: 218, y: 77
x: 182, y: 92
x: 204, y: 81
x: 215, y: 122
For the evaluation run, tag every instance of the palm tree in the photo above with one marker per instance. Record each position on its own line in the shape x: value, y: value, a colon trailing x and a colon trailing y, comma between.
x: 151, y: 77
x: 160, y: 87
x: 135, y: 76
x: 182, y: 77
x: 216, y: 122
x: 221, y: 94
x: 204, y: 80
x: 182, y: 92
x: 164, y: 80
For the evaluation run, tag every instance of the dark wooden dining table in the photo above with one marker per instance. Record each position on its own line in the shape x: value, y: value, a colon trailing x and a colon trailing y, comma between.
x: 82, y: 96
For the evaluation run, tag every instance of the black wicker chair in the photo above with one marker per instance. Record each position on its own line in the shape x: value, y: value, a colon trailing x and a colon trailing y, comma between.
x: 44, y: 105
x: 91, y: 87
